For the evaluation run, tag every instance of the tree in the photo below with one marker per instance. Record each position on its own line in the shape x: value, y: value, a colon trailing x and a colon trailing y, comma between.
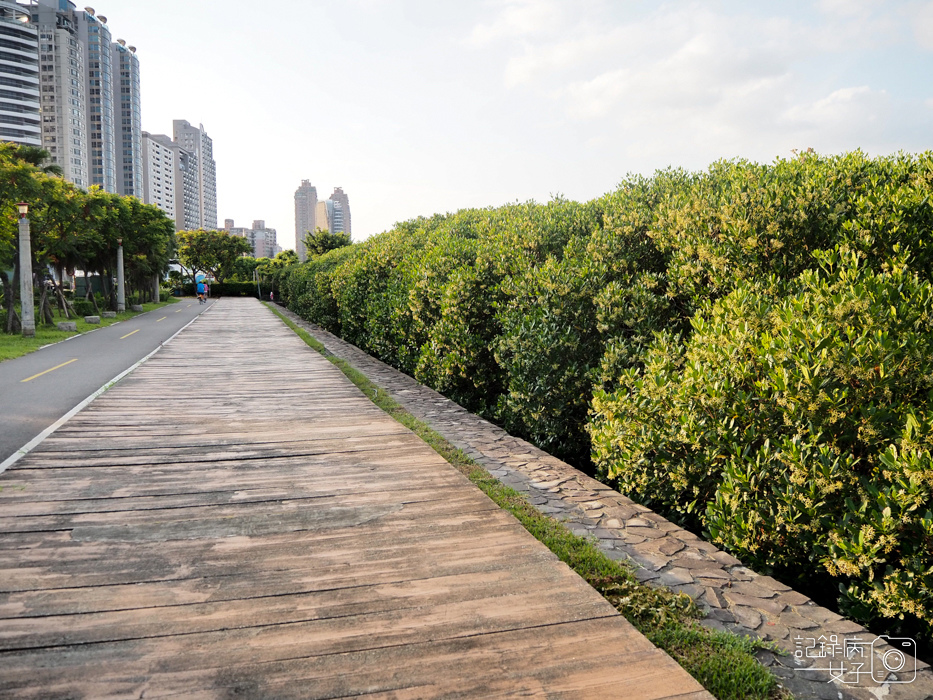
x: 211, y: 252
x: 18, y: 183
x: 40, y: 158
x: 272, y: 270
x: 321, y: 241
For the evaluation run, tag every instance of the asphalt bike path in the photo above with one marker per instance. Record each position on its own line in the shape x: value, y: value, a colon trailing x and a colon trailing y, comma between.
x: 40, y: 388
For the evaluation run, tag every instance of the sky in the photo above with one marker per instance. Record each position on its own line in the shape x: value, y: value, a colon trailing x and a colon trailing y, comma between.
x: 415, y: 107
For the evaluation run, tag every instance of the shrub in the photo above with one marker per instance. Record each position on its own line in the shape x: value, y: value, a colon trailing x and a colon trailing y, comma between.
x: 795, y: 429
x: 692, y: 334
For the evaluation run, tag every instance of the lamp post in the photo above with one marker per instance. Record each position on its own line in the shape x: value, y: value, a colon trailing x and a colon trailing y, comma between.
x: 121, y: 295
x: 28, y: 319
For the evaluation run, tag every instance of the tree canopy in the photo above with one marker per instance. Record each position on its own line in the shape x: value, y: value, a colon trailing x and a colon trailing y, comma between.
x: 321, y: 241
x: 213, y: 253
x: 73, y: 229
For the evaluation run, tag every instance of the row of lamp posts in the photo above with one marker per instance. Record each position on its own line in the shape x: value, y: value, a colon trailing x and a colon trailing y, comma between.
x: 27, y: 311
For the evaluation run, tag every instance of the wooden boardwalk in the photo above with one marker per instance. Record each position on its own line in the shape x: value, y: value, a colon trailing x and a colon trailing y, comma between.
x: 235, y: 519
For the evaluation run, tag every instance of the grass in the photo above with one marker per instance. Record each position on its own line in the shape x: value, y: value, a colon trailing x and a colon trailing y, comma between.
x: 12, y: 346
x: 724, y: 663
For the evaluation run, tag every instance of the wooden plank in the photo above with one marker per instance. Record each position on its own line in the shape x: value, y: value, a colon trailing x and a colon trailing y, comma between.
x: 213, y: 526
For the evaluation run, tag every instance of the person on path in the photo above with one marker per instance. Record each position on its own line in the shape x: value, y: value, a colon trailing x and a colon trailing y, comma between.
x: 202, y: 290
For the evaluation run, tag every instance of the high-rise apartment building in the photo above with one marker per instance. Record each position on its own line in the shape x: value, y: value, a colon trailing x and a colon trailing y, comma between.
x: 196, y: 141
x: 187, y: 198
x: 63, y: 83
x: 170, y: 180
x: 127, y: 119
x: 160, y: 156
x: 333, y: 214
x: 86, y: 86
x: 262, y: 239
x: 95, y: 36
x: 305, y: 212
x: 19, y: 77
x: 341, y: 216
x: 324, y: 215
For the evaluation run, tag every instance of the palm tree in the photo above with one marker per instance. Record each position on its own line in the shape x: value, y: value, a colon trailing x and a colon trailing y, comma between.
x: 40, y: 158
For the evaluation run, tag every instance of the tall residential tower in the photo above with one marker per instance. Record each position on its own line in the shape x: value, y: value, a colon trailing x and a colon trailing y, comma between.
x: 128, y: 117
x: 305, y: 211
x: 64, y: 88
x: 19, y: 77
x: 341, y: 220
x: 196, y: 141
x: 95, y: 36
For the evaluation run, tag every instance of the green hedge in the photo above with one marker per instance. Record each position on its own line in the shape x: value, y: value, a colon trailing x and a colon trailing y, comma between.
x: 745, y: 349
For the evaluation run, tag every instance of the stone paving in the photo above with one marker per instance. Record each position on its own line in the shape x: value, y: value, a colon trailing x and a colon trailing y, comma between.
x: 828, y: 656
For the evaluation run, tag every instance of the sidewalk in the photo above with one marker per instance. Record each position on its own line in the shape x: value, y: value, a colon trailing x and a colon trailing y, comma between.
x: 236, y: 519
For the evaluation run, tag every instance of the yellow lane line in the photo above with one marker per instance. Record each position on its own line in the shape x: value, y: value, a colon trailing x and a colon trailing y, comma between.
x: 162, y: 319
x: 130, y: 333
x: 35, y: 376
x: 179, y: 311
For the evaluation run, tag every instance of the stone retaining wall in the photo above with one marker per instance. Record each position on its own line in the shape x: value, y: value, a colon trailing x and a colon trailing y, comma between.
x: 827, y: 656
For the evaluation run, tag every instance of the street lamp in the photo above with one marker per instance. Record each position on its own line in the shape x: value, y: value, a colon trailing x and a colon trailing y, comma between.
x: 28, y: 319
x: 121, y: 295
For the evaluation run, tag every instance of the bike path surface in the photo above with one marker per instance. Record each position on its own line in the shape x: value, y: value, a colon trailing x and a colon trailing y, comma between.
x: 45, y: 385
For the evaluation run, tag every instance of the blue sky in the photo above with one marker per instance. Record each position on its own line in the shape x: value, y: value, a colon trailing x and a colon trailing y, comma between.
x: 417, y: 107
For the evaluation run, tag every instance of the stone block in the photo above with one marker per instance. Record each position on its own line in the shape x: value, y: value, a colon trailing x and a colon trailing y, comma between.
x: 676, y: 577
x: 796, y: 622
x: 721, y: 615
x: 670, y: 546
x: 818, y: 614
x: 696, y: 563
x: 753, y: 590
x: 726, y: 559
x: 772, y: 607
x: 747, y: 618
x: 67, y: 326
x: 108, y: 314
x: 690, y: 589
x: 92, y: 319
x: 793, y: 598
x: 136, y: 307
x: 772, y: 583
x: 714, y: 599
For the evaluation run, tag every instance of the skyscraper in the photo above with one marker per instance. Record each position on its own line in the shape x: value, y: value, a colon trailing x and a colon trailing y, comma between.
x: 324, y: 215
x: 63, y: 88
x: 305, y: 212
x: 196, y: 141
x: 128, y: 119
x: 170, y: 180
x: 160, y: 154
x: 19, y: 77
x: 95, y: 36
x: 341, y: 220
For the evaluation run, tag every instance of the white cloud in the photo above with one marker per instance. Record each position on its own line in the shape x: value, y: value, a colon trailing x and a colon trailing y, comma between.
x: 851, y: 105
x: 517, y: 19
x: 721, y: 80
x: 922, y: 20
